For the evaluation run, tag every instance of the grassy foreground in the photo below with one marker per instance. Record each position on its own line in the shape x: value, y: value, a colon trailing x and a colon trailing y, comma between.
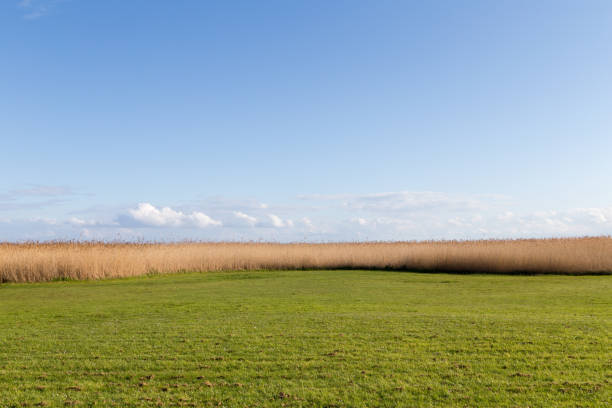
x: 308, y: 338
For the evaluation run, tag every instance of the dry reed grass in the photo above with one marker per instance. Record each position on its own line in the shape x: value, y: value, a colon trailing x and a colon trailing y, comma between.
x: 32, y: 262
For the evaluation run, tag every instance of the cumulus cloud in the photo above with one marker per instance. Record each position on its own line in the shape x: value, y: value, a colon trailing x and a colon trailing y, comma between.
x: 149, y: 215
x: 360, y: 221
x: 277, y: 222
x: 245, y: 217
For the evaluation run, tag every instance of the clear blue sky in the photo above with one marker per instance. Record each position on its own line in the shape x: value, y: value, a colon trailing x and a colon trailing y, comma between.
x: 319, y: 120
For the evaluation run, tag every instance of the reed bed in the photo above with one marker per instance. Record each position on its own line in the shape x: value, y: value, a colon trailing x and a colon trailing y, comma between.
x: 34, y: 262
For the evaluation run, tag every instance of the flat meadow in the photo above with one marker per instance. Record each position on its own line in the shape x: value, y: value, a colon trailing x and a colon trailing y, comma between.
x: 308, y: 338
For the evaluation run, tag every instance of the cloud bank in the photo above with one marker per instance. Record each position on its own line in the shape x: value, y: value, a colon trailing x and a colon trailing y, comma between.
x: 315, y: 218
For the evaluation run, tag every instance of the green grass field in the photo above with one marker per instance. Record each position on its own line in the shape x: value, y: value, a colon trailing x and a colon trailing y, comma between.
x: 308, y: 338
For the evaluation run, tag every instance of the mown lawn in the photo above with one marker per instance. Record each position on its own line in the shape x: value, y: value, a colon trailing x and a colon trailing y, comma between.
x: 308, y: 338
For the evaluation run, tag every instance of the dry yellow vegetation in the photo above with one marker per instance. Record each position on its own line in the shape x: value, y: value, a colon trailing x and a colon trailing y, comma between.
x: 32, y: 262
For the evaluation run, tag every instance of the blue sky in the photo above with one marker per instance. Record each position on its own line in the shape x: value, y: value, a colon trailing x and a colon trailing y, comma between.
x: 313, y: 120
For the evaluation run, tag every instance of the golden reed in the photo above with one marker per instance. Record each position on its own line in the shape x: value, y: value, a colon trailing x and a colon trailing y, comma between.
x: 33, y: 261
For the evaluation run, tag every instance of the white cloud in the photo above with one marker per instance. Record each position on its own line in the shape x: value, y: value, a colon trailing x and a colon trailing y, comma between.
x: 360, y: 221
x: 202, y: 220
x: 597, y: 215
x: 149, y: 215
x: 245, y: 217
x: 277, y: 222
x: 80, y: 222
x: 307, y: 222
